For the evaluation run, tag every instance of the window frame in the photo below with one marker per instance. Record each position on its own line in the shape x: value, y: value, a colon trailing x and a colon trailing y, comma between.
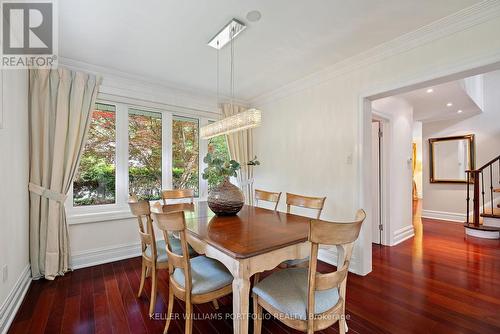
x: 120, y: 210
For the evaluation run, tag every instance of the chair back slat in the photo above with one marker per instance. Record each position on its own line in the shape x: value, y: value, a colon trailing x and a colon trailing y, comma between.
x: 174, y: 222
x: 262, y: 195
x: 142, y: 211
x: 341, y: 234
x: 177, y: 194
x: 315, y: 203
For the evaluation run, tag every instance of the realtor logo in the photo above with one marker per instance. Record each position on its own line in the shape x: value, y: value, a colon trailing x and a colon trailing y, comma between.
x: 28, y: 35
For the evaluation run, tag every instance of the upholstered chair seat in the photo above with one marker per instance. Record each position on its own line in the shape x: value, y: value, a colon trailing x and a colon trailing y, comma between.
x: 286, y: 291
x: 207, y: 275
x: 296, y: 262
x: 175, y: 243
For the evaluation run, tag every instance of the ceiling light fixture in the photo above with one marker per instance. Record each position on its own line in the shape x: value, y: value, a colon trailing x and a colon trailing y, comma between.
x: 449, y: 104
x: 253, y: 16
x: 244, y: 120
x: 430, y: 90
x: 459, y: 111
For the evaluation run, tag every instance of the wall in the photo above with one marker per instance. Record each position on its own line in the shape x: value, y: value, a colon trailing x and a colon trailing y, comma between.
x: 417, y: 139
x: 14, y: 193
x: 312, y: 139
x: 447, y: 201
x: 397, y: 141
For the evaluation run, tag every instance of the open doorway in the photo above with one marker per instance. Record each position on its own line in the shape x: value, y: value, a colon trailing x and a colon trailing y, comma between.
x: 402, y: 125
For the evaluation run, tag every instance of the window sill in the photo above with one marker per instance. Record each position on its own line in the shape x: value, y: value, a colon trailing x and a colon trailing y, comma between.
x: 97, y: 217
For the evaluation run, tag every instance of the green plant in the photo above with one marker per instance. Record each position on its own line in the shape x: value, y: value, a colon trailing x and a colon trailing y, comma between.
x: 219, y: 168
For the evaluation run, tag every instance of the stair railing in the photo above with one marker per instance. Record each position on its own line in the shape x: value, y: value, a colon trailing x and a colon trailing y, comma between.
x: 476, y: 177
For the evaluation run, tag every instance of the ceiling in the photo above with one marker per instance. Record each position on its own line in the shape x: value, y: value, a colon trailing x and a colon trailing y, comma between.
x: 165, y: 40
x: 428, y: 107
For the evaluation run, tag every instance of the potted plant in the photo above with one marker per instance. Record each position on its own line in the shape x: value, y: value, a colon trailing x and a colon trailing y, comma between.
x: 225, y: 198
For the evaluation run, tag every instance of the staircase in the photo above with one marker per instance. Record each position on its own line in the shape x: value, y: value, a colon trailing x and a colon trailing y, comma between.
x: 485, y: 220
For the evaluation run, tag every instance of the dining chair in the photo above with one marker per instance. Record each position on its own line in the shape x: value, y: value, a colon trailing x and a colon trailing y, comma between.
x: 177, y: 194
x: 195, y: 281
x: 313, y: 203
x: 272, y: 197
x: 311, y: 301
x: 154, y: 256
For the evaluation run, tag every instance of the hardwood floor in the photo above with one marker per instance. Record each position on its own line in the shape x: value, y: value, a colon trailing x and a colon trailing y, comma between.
x: 436, y: 282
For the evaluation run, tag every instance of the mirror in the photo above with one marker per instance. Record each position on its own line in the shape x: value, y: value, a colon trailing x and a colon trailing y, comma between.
x: 450, y: 157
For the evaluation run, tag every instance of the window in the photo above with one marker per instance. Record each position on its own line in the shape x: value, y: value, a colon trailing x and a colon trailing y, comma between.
x: 145, y: 153
x: 217, y: 146
x: 185, y: 154
x: 95, y: 180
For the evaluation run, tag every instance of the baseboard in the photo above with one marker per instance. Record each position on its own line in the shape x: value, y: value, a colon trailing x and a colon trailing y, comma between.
x: 402, y: 234
x: 442, y: 215
x: 9, y: 308
x: 329, y: 255
x: 97, y: 256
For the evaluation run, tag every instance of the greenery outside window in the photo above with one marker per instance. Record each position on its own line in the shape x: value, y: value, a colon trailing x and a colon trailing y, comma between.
x: 95, y: 179
x: 185, y: 153
x: 145, y: 154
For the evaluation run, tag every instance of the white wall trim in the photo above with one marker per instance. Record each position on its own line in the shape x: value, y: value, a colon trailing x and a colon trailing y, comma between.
x: 442, y: 215
x: 9, y: 308
x: 329, y: 255
x: 102, y: 255
x: 456, y: 22
x: 402, y: 234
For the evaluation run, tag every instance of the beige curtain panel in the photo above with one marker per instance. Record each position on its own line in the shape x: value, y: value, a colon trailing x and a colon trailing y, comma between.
x: 60, y: 109
x: 241, y: 149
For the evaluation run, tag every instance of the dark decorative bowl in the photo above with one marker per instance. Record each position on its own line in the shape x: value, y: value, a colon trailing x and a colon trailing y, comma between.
x: 226, y: 199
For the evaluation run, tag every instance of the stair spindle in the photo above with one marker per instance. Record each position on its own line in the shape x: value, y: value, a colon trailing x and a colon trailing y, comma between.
x: 482, y: 188
x: 491, y: 188
x: 468, y: 196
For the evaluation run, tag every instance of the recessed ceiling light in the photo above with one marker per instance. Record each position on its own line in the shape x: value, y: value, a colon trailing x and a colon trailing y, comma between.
x: 430, y: 90
x: 254, y: 16
x: 449, y: 104
x: 459, y: 111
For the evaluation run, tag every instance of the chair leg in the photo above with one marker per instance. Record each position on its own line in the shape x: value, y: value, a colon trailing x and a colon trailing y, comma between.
x: 257, y: 323
x: 169, y: 309
x: 143, y: 277
x: 216, y: 304
x: 189, y: 317
x: 342, y: 325
x: 154, y: 284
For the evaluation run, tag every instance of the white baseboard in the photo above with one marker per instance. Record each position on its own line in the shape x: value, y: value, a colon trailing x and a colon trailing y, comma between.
x: 402, y: 234
x: 97, y: 256
x: 9, y: 308
x: 329, y: 255
x: 442, y: 215
x: 482, y: 234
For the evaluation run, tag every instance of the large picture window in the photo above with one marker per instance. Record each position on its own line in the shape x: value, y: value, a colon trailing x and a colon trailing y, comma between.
x: 185, y: 153
x: 145, y: 154
x: 95, y: 180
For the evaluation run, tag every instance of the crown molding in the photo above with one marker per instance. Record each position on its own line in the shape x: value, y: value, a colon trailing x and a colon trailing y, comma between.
x: 131, y: 86
x: 456, y: 22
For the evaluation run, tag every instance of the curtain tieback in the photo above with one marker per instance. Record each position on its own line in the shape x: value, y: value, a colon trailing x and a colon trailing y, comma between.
x: 47, y: 193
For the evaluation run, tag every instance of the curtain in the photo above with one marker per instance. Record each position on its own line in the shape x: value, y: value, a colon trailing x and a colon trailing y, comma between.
x: 241, y: 149
x: 60, y: 104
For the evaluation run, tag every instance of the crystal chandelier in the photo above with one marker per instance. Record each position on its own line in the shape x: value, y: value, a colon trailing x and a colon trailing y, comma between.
x: 244, y: 120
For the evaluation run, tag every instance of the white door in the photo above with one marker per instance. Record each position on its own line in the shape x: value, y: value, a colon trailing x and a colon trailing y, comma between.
x: 376, y: 145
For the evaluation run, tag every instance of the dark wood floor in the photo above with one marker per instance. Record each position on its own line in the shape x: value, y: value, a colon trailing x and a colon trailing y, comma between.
x: 437, y: 282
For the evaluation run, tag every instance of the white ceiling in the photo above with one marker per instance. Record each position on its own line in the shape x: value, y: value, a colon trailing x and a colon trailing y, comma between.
x: 165, y: 40
x: 428, y: 107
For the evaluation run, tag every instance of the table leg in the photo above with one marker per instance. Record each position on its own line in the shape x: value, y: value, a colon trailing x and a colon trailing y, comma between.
x: 241, y: 298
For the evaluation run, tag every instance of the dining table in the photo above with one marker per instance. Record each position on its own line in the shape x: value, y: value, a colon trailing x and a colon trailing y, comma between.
x: 252, y: 241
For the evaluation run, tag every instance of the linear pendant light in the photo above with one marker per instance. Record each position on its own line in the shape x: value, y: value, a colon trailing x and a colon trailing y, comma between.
x: 245, y: 120
x: 248, y: 119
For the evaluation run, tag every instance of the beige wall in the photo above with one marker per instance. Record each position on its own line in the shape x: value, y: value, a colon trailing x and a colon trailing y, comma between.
x: 13, y: 180
x: 449, y: 199
x: 310, y: 142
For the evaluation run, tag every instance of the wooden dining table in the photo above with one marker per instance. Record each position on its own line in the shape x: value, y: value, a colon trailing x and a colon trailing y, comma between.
x: 253, y: 241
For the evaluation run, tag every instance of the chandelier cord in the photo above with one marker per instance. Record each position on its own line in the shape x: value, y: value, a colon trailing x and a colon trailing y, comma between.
x: 218, y: 99
x: 232, y: 70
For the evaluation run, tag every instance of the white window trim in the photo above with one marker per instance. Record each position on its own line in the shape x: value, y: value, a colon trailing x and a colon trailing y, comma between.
x: 120, y: 210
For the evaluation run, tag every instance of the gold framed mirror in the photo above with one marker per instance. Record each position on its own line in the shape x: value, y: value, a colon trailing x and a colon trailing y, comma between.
x: 450, y: 157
